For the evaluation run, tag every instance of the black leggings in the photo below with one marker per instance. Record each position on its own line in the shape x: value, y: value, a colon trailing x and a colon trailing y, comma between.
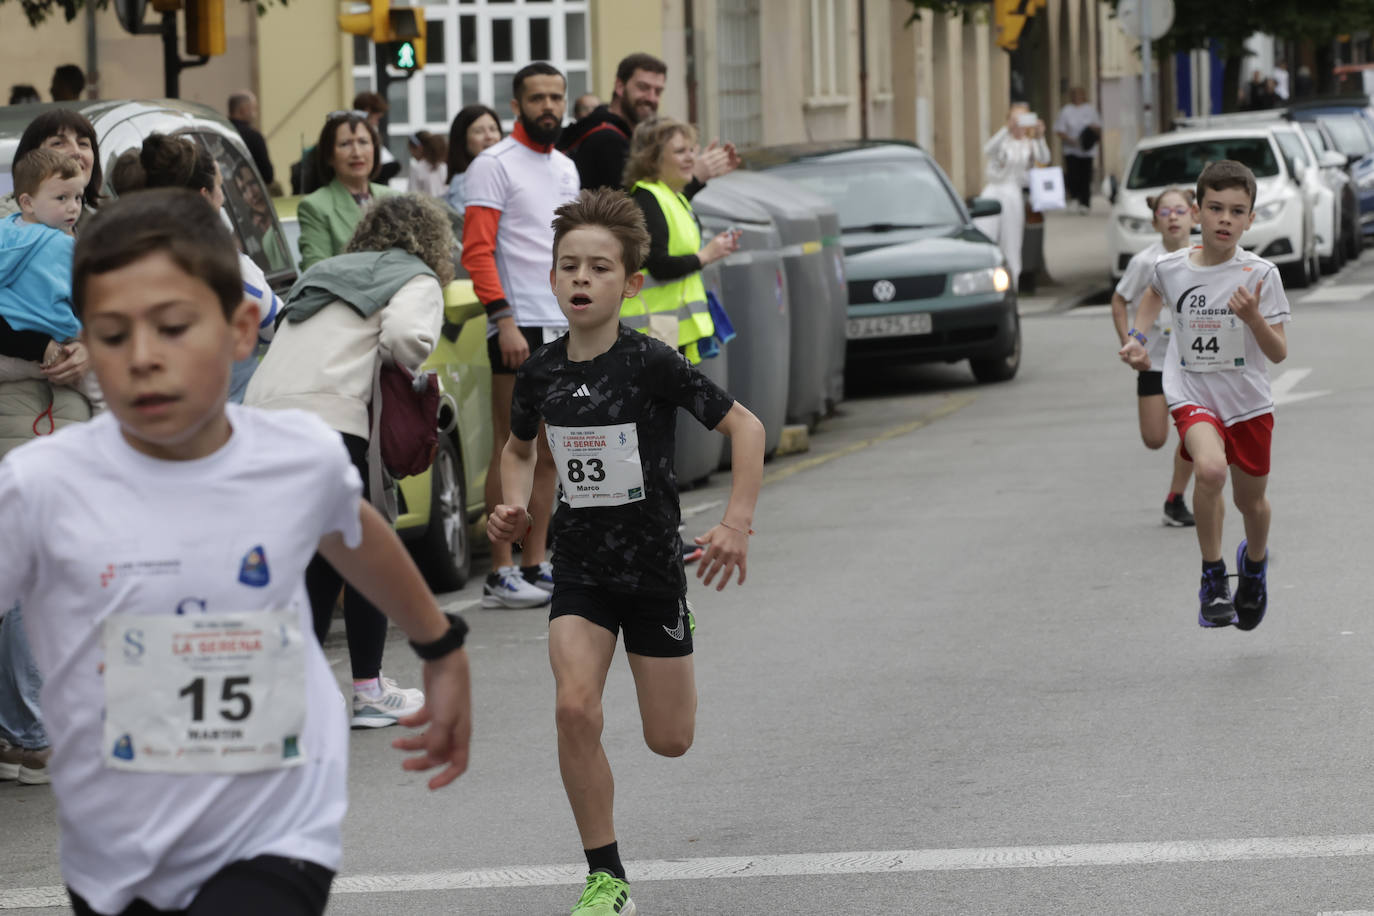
x: 366, y: 626
x: 263, y: 886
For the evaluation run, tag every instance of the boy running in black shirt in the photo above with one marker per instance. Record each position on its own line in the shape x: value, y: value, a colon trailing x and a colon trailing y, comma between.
x: 609, y: 397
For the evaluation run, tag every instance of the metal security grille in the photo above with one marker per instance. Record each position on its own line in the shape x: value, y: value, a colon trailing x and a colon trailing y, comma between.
x: 740, y: 95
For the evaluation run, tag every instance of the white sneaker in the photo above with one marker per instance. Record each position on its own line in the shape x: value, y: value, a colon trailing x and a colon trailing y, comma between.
x: 540, y: 576
x: 506, y: 587
x: 392, y: 704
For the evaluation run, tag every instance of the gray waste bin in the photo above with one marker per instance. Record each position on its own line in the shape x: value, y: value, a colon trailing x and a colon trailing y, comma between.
x: 808, y: 284
x: 697, y: 450
x: 832, y: 244
x: 752, y: 287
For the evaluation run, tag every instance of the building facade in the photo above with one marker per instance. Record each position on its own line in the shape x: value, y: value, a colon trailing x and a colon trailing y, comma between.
x: 749, y: 71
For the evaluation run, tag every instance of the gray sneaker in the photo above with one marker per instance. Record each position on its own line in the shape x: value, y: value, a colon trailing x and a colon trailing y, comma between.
x: 395, y: 703
x: 506, y: 587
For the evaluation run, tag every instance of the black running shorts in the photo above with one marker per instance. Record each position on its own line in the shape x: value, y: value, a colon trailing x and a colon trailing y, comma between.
x: 1149, y: 383
x: 655, y: 625
x: 533, y: 336
x: 263, y: 885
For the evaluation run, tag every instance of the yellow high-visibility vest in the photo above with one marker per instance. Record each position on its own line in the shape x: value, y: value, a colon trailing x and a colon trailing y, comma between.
x: 674, y: 311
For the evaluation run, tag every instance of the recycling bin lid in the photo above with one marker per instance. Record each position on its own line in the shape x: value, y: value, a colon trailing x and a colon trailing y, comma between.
x: 721, y: 202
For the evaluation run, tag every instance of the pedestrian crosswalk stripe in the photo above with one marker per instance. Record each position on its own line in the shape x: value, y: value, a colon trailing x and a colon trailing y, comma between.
x: 1076, y: 855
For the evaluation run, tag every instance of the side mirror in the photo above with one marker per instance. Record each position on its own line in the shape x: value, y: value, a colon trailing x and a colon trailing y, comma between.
x: 1330, y: 159
x: 984, y: 206
x: 460, y: 303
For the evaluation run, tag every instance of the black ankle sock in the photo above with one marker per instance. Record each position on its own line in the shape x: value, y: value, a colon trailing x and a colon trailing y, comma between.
x: 1252, y: 567
x: 1172, y: 496
x: 607, y: 859
x: 1215, y: 564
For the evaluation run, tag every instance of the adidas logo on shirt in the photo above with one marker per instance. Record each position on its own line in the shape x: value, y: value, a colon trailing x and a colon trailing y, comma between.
x: 582, y: 392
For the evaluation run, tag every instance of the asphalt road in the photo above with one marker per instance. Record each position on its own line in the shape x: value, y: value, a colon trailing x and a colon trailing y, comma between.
x: 964, y: 677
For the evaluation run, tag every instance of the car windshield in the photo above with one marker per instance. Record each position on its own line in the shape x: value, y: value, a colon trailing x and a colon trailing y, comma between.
x: 1348, y: 136
x: 880, y: 195
x: 1181, y: 163
x: 1314, y: 136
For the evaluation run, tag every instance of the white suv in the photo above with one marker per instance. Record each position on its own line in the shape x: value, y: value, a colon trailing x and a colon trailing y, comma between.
x: 1282, y: 231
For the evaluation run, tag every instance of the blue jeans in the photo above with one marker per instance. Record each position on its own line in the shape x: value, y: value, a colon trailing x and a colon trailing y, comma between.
x: 19, y: 685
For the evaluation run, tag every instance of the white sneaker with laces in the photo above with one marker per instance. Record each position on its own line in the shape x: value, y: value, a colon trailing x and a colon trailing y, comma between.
x: 391, y: 704
x: 543, y: 579
x: 506, y: 587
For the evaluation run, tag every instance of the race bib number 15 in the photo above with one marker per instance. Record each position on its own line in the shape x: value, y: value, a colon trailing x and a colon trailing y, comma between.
x: 204, y: 694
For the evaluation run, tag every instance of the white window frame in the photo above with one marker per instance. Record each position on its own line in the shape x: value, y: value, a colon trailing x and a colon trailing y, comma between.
x: 828, y: 78
x: 487, y: 71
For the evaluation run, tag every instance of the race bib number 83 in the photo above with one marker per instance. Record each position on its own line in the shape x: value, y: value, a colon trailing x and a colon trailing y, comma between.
x: 204, y: 694
x: 598, y: 465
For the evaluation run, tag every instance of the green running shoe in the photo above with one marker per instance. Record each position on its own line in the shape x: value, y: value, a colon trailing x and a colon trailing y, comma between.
x: 605, y: 895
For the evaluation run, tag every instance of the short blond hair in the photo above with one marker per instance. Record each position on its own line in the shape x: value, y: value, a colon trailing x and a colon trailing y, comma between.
x: 37, y: 166
x: 646, y: 147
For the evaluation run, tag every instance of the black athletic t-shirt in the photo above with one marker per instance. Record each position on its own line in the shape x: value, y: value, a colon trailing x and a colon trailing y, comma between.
x: 634, y: 546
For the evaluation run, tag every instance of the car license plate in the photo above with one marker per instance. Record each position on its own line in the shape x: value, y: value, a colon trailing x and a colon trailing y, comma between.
x: 888, y: 326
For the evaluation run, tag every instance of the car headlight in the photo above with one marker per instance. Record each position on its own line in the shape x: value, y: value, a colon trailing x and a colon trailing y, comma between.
x: 1135, y: 225
x: 1365, y: 181
x: 974, y: 282
x: 1269, y: 211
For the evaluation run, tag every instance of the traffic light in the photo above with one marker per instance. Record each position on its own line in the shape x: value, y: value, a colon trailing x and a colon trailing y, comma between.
x: 399, y: 32
x: 407, y: 49
x: 374, y: 24
x: 205, y: 28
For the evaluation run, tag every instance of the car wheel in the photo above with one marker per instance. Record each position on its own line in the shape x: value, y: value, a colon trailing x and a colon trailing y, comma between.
x: 1298, y: 274
x: 444, y: 552
x: 1000, y: 368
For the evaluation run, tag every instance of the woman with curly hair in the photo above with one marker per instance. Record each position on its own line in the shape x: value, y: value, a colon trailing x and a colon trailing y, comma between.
x: 381, y: 300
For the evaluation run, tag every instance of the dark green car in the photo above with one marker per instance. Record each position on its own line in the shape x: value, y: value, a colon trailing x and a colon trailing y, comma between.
x: 924, y: 284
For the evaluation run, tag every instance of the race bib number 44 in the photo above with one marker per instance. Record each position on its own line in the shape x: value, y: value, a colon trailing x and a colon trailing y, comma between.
x: 204, y: 694
x: 1212, y: 343
x: 598, y: 465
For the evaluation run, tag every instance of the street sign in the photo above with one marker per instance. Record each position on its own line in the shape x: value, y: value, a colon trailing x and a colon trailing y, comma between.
x: 1143, y: 19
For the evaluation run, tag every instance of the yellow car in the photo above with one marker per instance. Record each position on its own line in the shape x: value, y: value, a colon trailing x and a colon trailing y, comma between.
x: 441, y: 510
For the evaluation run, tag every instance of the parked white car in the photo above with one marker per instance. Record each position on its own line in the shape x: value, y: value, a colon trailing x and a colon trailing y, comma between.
x: 1309, y: 167
x: 1283, y: 228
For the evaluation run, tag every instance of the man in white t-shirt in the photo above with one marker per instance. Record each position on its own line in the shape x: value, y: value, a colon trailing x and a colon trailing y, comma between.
x: 1079, y: 128
x: 1229, y: 311
x: 512, y: 190
x: 199, y: 738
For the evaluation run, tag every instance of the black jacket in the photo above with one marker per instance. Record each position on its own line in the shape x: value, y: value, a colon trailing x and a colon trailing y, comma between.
x: 257, y: 147
x: 598, y: 144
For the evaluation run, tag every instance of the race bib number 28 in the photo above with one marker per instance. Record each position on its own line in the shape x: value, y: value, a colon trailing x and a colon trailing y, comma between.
x: 598, y: 465
x: 204, y: 694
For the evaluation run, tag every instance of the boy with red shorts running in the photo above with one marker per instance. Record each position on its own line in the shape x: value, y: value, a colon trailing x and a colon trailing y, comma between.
x: 1229, y: 311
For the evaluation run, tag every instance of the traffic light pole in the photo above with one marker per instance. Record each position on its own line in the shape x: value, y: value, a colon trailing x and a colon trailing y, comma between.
x: 172, y: 63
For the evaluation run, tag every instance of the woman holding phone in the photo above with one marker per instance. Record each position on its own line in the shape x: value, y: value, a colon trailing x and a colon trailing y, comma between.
x: 1016, y: 148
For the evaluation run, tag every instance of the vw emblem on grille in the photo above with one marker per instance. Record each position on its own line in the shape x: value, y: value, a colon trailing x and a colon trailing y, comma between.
x: 884, y: 291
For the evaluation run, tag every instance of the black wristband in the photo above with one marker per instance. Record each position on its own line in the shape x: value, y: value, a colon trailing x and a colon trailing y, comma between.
x: 451, y: 641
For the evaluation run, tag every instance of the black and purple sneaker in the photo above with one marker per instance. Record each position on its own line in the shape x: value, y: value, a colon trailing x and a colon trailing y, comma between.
x: 1252, y: 591
x: 1214, y: 596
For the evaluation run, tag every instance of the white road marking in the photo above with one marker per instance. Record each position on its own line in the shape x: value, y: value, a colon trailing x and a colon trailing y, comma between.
x: 1282, y: 387
x: 897, y: 861
x: 1342, y: 293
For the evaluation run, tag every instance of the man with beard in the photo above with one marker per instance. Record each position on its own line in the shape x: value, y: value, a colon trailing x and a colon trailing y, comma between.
x: 600, y: 142
x: 512, y: 189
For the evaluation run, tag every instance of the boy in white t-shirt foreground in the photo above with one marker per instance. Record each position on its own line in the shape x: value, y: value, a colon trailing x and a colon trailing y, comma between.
x: 1229, y: 311
x: 199, y: 737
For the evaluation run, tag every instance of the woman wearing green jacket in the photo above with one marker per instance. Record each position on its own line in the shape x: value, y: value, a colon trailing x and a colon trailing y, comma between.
x: 347, y: 159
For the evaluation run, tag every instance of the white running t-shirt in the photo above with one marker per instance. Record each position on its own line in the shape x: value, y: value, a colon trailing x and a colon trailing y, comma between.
x: 1132, y: 286
x: 89, y: 527
x: 526, y: 186
x: 1198, y: 297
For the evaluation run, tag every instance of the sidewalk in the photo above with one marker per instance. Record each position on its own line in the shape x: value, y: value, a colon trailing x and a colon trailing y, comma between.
x: 1075, y: 260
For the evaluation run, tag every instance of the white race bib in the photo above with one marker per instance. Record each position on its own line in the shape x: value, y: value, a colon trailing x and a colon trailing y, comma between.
x: 222, y: 693
x: 1212, y: 343
x: 598, y: 465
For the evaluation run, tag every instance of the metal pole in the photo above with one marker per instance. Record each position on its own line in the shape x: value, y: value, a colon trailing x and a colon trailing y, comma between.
x: 1146, y: 69
x: 171, y: 57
